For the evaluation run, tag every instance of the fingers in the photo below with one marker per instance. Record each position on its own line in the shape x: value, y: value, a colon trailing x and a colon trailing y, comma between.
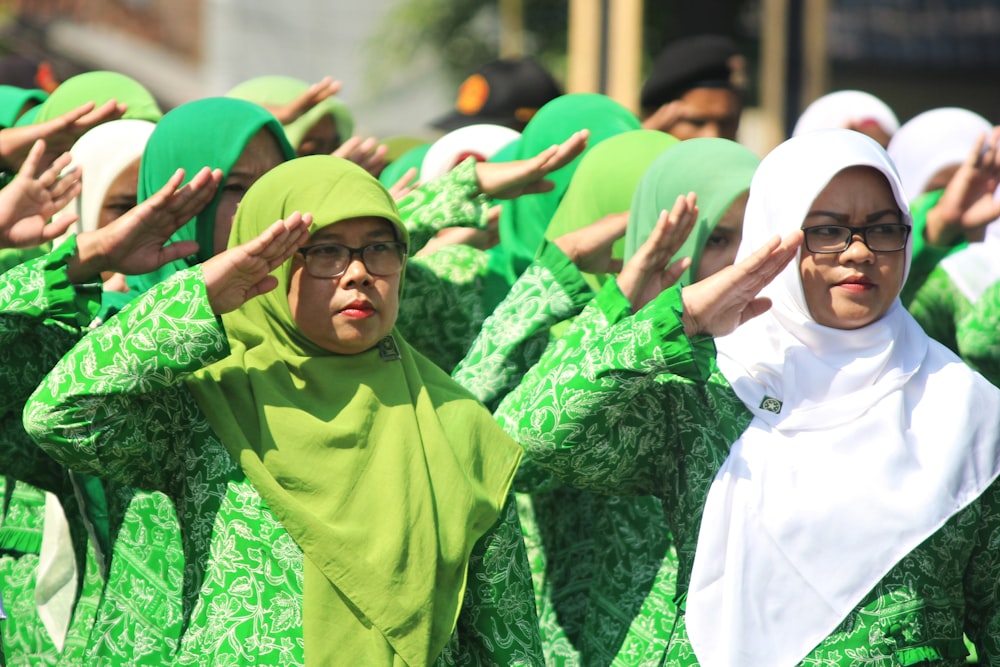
x: 67, y: 187
x: 179, y: 250
x: 674, y: 272
x: 755, y: 308
x: 53, y: 173
x: 57, y: 227
x: 31, y: 163
x: 67, y: 119
x: 567, y: 151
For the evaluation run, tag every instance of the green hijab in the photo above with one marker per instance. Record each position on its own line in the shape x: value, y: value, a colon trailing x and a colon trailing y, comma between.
x: 99, y: 87
x: 382, y: 468
x: 13, y: 99
x: 717, y: 170
x: 395, y: 169
x: 210, y: 132
x: 523, y: 220
x: 279, y: 90
x: 604, y: 184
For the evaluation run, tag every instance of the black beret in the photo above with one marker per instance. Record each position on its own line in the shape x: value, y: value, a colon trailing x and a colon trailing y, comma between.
x: 502, y: 92
x: 701, y: 61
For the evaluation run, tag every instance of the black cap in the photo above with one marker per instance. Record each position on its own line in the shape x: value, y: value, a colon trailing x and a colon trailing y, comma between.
x: 502, y: 92
x: 701, y: 61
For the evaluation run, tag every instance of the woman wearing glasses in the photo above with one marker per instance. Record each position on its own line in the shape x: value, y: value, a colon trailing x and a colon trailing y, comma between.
x: 827, y: 470
x: 342, y: 500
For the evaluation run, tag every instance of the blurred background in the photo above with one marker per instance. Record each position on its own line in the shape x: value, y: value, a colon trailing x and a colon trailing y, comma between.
x: 401, y: 61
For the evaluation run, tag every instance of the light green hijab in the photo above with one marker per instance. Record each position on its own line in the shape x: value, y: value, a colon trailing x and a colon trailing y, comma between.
x: 99, y: 87
x: 717, y: 170
x: 279, y: 90
x: 604, y: 184
x: 211, y: 132
x: 383, y: 469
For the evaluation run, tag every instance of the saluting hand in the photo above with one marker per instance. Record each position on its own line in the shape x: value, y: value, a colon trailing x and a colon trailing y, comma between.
x: 137, y: 242
x: 507, y: 180
x: 32, y: 198
x: 590, y: 247
x: 59, y: 134
x: 239, y: 274
x: 968, y: 203
x: 721, y: 302
x: 313, y: 95
x: 646, y: 273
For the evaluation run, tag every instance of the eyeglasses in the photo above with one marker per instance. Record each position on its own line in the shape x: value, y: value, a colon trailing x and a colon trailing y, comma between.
x: 830, y: 239
x: 329, y: 260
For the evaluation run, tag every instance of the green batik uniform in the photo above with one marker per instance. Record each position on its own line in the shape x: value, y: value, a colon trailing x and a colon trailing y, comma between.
x: 666, y: 418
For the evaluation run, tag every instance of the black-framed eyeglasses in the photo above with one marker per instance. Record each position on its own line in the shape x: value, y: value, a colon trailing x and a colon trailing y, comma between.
x: 831, y: 239
x: 329, y: 260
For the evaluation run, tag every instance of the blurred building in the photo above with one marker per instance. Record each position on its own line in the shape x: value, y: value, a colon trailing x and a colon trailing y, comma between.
x: 186, y: 49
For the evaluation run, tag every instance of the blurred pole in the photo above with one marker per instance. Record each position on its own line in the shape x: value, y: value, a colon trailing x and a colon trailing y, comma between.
x: 815, y: 52
x: 511, y: 28
x: 774, y: 53
x: 583, y: 71
x: 625, y: 52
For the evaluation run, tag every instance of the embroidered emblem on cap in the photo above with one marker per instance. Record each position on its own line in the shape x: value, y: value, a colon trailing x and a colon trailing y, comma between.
x: 387, y: 349
x: 472, y: 95
x: 771, y: 405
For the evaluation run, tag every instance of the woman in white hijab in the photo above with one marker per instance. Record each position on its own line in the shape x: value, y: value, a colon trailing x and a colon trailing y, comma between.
x: 829, y: 479
x: 852, y: 110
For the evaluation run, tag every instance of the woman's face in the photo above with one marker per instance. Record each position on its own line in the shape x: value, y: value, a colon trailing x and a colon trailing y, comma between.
x: 321, y: 139
x: 261, y: 155
x: 354, y: 311
x: 722, y: 244
x: 121, y: 195
x: 856, y: 287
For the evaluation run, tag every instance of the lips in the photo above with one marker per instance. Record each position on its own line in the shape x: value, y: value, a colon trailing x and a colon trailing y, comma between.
x: 856, y: 283
x: 358, y: 309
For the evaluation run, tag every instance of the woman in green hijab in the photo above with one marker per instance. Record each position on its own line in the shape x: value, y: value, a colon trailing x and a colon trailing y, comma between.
x: 240, y: 138
x: 319, y: 130
x: 99, y: 87
x: 604, y: 568
x: 339, y: 495
x: 523, y: 221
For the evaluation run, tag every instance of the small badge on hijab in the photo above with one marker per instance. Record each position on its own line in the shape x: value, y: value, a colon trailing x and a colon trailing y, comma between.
x: 387, y: 349
x: 771, y: 405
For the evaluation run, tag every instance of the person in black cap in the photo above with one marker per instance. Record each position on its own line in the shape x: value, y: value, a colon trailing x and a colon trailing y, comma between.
x: 504, y: 92
x: 693, y: 89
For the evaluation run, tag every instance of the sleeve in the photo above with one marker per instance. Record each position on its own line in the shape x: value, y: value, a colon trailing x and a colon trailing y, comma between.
x: 938, y: 306
x: 514, y: 336
x: 42, y: 315
x: 110, y: 407
x: 498, y: 624
x: 982, y: 582
x: 590, y: 410
x: 925, y: 256
x: 441, y: 310
x: 451, y: 200
x: 978, y: 340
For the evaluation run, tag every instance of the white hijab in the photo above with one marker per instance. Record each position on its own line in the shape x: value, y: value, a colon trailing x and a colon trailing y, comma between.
x: 931, y: 141
x: 880, y: 437
x: 103, y: 153
x: 843, y: 108
x: 481, y: 140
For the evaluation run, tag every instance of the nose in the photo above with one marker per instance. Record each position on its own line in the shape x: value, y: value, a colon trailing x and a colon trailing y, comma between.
x: 710, y: 130
x: 356, y: 272
x: 857, y: 252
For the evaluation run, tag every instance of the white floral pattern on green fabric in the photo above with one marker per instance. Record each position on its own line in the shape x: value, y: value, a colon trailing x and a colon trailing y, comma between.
x: 115, y: 407
x: 615, y: 407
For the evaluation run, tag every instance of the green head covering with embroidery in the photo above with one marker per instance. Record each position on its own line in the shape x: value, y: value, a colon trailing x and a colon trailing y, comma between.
x: 99, y: 87
x: 211, y: 132
x: 382, y: 468
x: 717, y: 170
x: 604, y: 184
x: 275, y: 91
x: 13, y: 100
x: 523, y: 220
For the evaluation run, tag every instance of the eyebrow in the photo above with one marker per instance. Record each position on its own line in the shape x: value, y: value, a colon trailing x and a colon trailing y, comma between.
x: 332, y: 236
x: 844, y: 218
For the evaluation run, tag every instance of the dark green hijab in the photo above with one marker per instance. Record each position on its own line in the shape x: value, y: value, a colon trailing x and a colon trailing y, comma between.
x: 211, y: 132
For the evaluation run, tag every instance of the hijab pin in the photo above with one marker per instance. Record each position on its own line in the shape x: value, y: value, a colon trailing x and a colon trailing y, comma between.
x: 771, y: 404
x: 387, y: 349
